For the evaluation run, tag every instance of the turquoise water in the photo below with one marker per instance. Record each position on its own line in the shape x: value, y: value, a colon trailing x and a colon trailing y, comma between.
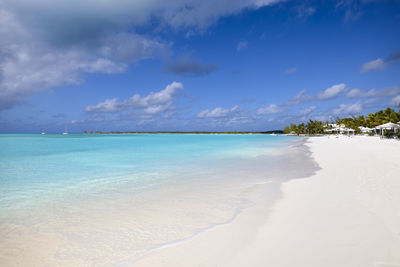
x: 88, y: 193
x: 33, y: 164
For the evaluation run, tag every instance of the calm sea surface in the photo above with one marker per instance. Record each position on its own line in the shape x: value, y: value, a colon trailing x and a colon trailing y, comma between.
x: 75, y: 195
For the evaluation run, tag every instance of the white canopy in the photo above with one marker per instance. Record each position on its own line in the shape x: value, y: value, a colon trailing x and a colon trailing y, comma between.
x: 388, y: 125
x: 365, y: 129
x: 340, y: 129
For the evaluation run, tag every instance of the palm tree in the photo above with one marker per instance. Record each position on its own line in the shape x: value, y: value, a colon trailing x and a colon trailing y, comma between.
x: 371, y: 121
x: 301, y: 128
x: 315, y: 127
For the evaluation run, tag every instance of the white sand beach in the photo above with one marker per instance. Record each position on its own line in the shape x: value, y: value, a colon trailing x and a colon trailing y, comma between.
x: 347, y: 214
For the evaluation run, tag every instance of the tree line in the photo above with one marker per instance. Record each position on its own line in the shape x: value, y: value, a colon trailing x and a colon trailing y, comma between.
x: 354, y: 122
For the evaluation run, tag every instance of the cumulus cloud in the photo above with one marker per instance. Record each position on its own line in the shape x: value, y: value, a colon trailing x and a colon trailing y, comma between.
x: 49, y: 43
x: 219, y: 112
x: 241, y: 45
x: 94, y: 17
x: 387, y: 92
x: 357, y: 93
x: 395, y: 101
x: 131, y: 47
x: 331, y: 92
x: 347, y: 109
x: 271, y: 109
x: 29, y: 64
x: 153, y: 104
x: 379, y: 63
x: 189, y: 66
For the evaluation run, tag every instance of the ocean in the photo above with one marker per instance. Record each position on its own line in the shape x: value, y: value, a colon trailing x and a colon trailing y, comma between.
x: 106, y: 199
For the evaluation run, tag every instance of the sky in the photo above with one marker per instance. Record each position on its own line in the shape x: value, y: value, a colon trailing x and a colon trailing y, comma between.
x: 185, y: 65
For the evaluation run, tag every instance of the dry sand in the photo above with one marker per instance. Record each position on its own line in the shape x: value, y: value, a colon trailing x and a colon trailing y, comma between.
x: 347, y: 214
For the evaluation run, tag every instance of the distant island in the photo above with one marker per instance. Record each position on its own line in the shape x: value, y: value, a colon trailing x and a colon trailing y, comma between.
x: 183, y: 132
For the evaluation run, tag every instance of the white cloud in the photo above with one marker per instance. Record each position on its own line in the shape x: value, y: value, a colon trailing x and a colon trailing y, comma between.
x: 377, y: 64
x: 347, y: 109
x: 331, y: 92
x: 355, y: 93
x: 241, y: 45
x: 104, y: 14
x: 387, y: 92
x: 291, y: 70
x: 395, y: 101
x: 108, y: 105
x: 219, y: 112
x: 46, y: 43
x: 307, y: 111
x: 105, y: 66
x: 29, y: 64
x: 299, y: 98
x: 153, y: 104
x: 271, y: 109
x: 130, y: 47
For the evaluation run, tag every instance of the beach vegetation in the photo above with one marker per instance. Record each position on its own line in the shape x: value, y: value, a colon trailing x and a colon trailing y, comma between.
x: 354, y: 122
x: 314, y: 127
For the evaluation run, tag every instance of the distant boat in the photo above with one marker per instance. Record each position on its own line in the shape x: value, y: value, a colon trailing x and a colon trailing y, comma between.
x: 43, y: 133
x: 273, y: 134
x: 65, y: 132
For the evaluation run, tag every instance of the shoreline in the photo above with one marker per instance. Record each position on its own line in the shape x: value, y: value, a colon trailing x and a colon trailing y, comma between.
x: 339, y: 216
x: 111, y: 224
x: 327, y: 201
x: 266, y: 191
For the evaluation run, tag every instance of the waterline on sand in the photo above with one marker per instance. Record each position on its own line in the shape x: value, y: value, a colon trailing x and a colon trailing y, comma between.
x: 118, y: 219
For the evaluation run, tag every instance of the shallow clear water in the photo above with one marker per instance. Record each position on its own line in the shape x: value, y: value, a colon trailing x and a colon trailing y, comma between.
x: 80, y: 195
x: 35, y: 164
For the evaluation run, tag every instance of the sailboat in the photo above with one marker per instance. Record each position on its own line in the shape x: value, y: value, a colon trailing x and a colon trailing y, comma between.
x: 65, y: 132
x: 43, y: 133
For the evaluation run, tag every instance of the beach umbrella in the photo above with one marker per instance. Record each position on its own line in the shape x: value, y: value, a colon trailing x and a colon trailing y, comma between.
x: 388, y: 126
x: 365, y: 129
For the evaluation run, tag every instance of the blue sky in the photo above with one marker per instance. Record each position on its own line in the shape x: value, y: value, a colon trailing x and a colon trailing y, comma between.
x: 194, y: 65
